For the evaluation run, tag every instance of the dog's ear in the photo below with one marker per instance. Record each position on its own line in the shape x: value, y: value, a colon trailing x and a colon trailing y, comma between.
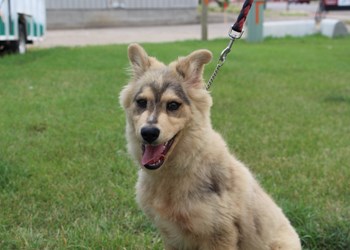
x: 139, y: 59
x: 191, y: 66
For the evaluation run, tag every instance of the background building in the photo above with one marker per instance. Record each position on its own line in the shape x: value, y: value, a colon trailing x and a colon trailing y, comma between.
x: 62, y: 14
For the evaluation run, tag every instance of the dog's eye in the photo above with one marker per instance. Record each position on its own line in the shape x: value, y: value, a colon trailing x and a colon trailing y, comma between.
x: 173, y: 106
x: 141, y: 103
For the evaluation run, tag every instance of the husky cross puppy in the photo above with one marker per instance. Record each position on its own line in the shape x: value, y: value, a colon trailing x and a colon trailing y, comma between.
x: 197, y: 194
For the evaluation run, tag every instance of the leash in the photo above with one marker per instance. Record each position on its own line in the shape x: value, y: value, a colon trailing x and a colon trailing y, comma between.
x: 234, y: 33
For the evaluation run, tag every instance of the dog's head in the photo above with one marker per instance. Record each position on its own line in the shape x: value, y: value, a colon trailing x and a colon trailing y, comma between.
x: 162, y: 103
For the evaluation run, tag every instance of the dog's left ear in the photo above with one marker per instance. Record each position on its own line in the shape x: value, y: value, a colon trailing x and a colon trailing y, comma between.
x: 191, y: 66
x: 139, y: 59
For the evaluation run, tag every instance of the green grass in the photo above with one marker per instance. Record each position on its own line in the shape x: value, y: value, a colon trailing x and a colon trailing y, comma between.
x: 66, y: 181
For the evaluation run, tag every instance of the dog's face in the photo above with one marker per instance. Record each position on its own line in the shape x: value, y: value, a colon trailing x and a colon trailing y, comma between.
x: 160, y: 102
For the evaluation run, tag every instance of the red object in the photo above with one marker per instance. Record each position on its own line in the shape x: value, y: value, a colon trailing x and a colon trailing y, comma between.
x: 257, y: 4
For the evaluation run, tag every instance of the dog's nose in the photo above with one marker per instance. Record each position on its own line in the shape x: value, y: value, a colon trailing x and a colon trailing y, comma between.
x: 150, y: 134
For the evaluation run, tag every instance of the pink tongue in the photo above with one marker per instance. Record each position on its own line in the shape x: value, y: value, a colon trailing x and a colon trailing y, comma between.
x: 152, y: 154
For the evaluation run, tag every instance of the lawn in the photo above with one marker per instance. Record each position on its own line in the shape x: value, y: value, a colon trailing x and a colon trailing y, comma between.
x: 66, y: 181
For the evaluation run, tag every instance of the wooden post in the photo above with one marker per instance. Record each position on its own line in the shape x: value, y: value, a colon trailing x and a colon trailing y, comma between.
x: 204, y: 20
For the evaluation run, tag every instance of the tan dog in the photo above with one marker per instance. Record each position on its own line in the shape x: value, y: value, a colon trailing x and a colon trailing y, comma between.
x: 196, y: 193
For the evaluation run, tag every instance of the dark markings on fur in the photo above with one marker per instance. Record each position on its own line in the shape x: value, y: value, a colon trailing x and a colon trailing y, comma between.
x: 218, y: 182
x: 205, y: 188
x: 156, y: 92
x: 138, y: 110
x: 200, y: 191
x: 138, y: 93
x: 257, y: 225
x: 150, y: 105
x: 181, y: 73
x: 179, y: 92
x: 214, y: 185
x: 154, y: 106
x: 238, y: 227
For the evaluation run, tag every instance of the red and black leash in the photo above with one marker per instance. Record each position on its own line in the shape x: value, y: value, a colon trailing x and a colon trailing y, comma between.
x: 235, y: 32
x: 238, y: 26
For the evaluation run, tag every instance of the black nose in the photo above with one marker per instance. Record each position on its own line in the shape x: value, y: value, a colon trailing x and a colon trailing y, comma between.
x: 150, y: 134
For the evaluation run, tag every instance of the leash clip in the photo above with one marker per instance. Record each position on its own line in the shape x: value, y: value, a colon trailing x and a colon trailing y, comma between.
x: 225, y: 52
x: 235, y: 34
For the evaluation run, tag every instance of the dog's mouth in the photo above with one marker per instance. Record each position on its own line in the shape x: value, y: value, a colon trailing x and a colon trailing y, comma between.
x: 153, y: 156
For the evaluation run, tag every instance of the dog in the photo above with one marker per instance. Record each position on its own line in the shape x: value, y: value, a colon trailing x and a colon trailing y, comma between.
x: 194, y: 190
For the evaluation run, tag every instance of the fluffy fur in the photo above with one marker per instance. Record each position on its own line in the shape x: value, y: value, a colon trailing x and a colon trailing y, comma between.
x: 194, y: 190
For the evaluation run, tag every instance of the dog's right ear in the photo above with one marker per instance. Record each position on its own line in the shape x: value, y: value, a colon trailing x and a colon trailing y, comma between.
x: 139, y: 59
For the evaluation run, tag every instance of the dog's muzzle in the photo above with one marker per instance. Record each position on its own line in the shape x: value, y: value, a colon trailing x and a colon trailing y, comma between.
x: 153, y: 155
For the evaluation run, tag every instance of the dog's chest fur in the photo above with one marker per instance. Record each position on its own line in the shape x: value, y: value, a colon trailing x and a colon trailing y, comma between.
x: 185, y: 208
x: 178, y: 201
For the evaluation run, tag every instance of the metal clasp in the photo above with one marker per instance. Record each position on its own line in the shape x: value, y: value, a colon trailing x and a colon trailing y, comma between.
x: 235, y: 34
x: 225, y: 52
